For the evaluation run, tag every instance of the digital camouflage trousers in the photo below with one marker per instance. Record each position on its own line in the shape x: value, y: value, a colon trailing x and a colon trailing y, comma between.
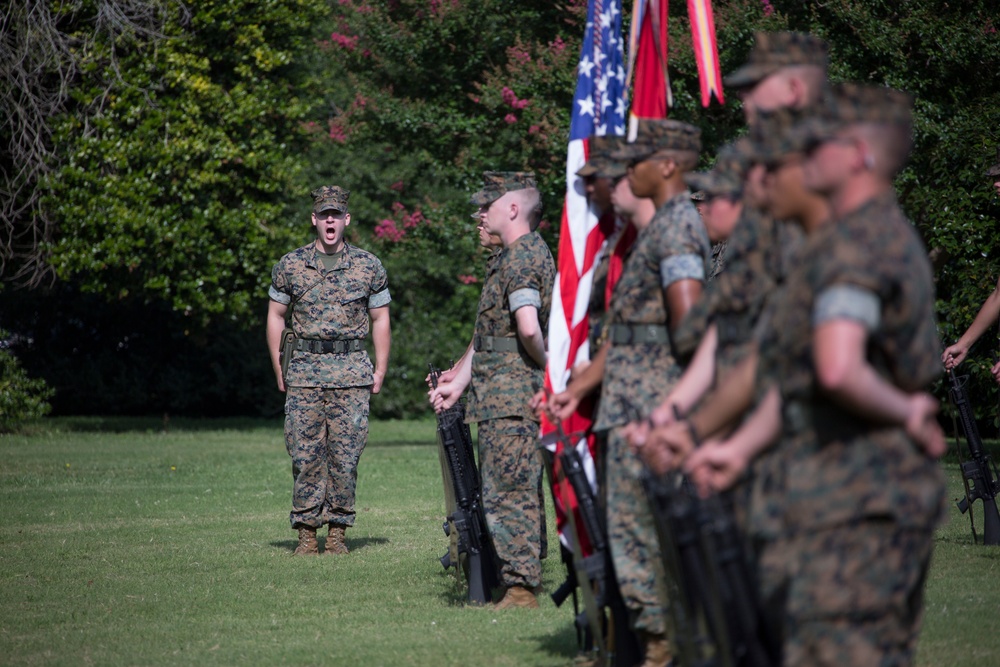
x: 635, y: 548
x: 848, y: 595
x: 511, y: 470
x: 325, y: 432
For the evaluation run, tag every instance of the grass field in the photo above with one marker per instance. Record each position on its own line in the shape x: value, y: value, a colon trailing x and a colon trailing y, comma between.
x: 124, y: 544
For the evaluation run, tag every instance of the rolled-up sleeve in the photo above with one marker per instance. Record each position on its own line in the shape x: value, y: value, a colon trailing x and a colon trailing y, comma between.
x: 279, y: 285
x: 682, y: 267
x: 379, y: 299
x: 526, y: 296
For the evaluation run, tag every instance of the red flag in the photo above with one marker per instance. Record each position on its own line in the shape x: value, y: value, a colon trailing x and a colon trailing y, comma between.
x: 651, y: 96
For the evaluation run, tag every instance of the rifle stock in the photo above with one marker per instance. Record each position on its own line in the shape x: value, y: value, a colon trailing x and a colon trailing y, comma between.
x: 978, y: 472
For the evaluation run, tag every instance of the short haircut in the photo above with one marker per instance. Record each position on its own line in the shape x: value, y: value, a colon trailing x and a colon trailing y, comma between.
x: 529, y: 200
x: 891, y: 144
x: 813, y: 76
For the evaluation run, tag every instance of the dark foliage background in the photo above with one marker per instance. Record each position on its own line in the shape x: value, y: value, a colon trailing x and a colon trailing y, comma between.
x: 178, y: 167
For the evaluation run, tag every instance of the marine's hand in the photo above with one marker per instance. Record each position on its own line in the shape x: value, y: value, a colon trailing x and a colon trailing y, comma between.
x: 281, y: 383
x: 663, y: 414
x: 637, y: 433
x: 445, y: 396
x: 953, y: 355
x: 715, y: 467
x: 444, y: 376
x: 561, y: 406
x: 667, y: 447
x: 537, y: 403
x: 377, y: 378
x: 922, y: 425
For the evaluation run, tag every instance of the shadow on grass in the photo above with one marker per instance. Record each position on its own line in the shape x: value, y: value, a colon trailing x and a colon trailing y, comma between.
x: 353, y: 544
x: 562, y: 642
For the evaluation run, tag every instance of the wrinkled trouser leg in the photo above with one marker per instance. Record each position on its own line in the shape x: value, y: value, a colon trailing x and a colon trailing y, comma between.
x: 511, y: 471
x: 635, y: 547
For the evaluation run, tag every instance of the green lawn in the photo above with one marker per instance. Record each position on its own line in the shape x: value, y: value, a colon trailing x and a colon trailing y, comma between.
x: 122, y: 544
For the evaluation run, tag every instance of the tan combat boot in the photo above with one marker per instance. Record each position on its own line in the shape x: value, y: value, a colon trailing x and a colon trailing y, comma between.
x: 335, y: 544
x: 657, y: 648
x: 308, y: 546
x: 518, y: 597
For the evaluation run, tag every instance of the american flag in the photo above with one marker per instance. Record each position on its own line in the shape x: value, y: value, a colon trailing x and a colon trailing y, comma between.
x: 600, y: 106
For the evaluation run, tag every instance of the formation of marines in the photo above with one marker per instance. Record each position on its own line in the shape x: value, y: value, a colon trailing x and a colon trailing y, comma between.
x: 770, y: 338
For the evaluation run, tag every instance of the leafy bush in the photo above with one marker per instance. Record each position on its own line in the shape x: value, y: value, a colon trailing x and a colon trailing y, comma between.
x: 22, y: 398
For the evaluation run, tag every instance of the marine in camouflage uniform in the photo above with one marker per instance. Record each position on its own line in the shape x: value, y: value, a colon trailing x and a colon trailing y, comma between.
x: 599, y: 165
x: 504, y: 374
x: 640, y: 367
x: 331, y: 298
x: 858, y: 500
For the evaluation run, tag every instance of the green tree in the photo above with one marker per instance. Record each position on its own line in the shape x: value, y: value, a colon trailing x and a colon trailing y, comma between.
x: 179, y: 154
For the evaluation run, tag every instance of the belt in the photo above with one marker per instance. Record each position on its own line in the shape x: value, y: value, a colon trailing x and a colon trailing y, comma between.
x: 639, y: 334
x: 495, y: 343
x: 329, y: 346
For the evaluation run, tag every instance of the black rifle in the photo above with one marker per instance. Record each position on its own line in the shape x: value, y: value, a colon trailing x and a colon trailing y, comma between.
x: 979, y: 475
x: 714, y: 601
x: 614, y: 641
x: 715, y: 606
x: 475, y: 546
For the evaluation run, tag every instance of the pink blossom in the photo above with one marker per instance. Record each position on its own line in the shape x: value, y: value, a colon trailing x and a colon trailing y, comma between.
x: 544, y: 224
x: 510, y: 99
x: 557, y: 46
x: 534, y: 129
x: 510, y: 119
x: 468, y: 280
x: 386, y: 229
x: 345, y: 41
x: 337, y: 132
x: 412, y: 220
x: 768, y: 7
x: 398, y: 187
x: 360, y: 101
x: 519, y: 54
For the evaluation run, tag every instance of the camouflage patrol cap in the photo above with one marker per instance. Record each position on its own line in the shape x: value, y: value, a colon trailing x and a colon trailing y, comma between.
x: 856, y: 103
x: 775, y: 50
x: 995, y: 169
x: 780, y: 132
x: 330, y: 198
x: 726, y: 177
x: 498, y: 183
x: 698, y: 196
x: 658, y: 134
x: 600, y: 163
